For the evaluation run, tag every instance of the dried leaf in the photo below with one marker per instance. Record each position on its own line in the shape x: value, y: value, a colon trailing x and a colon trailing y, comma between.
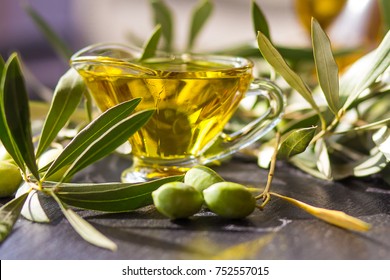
x: 334, y: 217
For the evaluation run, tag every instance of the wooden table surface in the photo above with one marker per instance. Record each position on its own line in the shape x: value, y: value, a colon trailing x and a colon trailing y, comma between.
x: 281, y: 231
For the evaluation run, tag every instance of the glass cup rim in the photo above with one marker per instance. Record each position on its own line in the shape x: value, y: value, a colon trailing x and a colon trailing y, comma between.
x: 93, y: 54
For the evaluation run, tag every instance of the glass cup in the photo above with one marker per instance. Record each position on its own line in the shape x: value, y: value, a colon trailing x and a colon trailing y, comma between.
x: 194, y: 96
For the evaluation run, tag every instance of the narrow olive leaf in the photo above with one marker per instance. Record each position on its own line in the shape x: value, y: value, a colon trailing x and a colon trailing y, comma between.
x: 296, y: 142
x: 273, y: 57
x: 2, y: 63
x: 101, y: 137
x: 385, y: 12
x: 88, y: 105
x: 151, y: 45
x: 109, y: 141
x: 382, y: 141
x: 9, y: 213
x: 5, y: 135
x: 259, y: 20
x: 371, y: 165
x: 366, y: 166
x: 67, y: 96
x: 365, y: 71
x: 56, y: 42
x: 85, y: 229
x: 366, y: 127
x: 110, y: 197
x: 32, y: 209
x: 17, y: 112
x: 322, y: 158
x: 307, y: 167
x: 163, y: 16
x: 200, y: 15
x: 334, y: 217
x: 327, y: 69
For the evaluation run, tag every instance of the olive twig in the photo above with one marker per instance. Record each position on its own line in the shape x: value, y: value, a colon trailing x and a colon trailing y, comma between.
x: 265, y: 195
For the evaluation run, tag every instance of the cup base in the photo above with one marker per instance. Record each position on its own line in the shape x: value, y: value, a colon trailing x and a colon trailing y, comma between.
x: 143, y: 172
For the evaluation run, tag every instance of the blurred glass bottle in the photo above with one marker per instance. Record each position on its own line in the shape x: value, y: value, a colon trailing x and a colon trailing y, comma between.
x: 350, y: 24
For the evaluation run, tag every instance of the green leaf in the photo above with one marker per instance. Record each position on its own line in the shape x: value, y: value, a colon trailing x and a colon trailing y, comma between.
x: 296, y: 142
x: 56, y: 42
x: 111, y: 197
x: 365, y: 71
x: 385, y: 12
x: 259, y: 20
x: 2, y: 63
x: 67, y: 97
x: 163, y: 16
x: 274, y: 58
x: 327, y: 69
x: 371, y: 165
x: 5, y: 135
x: 101, y: 137
x: 85, y: 229
x: 151, y: 45
x: 9, y: 213
x: 17, y: 115
x: 366, y: 127
x: 322, y: 159
x: 368, y: 165
x: 200, y: 15
x: 382, y: 141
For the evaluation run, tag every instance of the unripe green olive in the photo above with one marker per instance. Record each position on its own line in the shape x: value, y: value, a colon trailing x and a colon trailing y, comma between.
x: 10, y: 178
x: 177, y: 200
x: 229, y: 200
x: 201, y: 177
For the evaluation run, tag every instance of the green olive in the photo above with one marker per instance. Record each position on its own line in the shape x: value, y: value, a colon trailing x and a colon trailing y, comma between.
x: 10, y: 178
x: 229, y: 200
x: 177, y: 200
x: 201, y: 177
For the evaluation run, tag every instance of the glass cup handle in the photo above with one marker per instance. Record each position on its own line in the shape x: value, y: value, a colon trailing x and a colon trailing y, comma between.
x: 227, y: 144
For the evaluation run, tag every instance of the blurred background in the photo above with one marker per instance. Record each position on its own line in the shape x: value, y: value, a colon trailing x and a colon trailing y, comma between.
x: 349, y: 23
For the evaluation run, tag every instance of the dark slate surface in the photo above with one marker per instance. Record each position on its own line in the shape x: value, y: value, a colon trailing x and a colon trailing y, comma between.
x: 281, y: 231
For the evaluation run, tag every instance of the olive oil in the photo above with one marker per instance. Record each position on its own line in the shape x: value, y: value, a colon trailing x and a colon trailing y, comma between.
x: 325, y: 11
x: 193, y: 101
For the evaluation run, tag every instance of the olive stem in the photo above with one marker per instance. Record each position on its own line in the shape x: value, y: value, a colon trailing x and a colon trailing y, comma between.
x: 265, y: 195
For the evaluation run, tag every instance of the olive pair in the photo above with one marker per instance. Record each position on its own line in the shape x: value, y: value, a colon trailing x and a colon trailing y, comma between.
x: 201, y: 184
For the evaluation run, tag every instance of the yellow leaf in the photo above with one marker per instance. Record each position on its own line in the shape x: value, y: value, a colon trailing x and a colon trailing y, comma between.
x: 334, y: 217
